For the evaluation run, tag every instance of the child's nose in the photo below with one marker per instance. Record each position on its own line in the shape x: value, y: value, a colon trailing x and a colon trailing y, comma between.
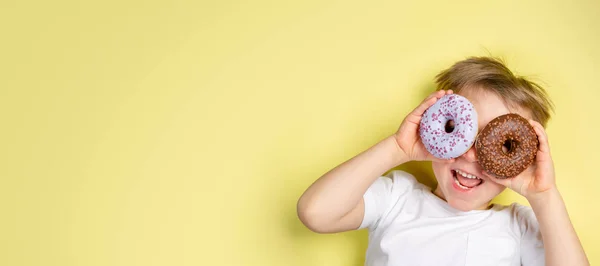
x: 470, y: 155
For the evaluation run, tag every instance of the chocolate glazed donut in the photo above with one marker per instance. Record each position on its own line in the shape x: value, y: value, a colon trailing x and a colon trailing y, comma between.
x: 506, y: 146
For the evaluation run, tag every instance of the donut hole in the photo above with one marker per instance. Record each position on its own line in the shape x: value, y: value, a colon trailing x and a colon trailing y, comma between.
x: 509, y: 146
x: 449, y: 127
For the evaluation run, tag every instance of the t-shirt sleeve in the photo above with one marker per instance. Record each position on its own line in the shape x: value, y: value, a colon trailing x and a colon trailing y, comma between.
x: 386, y: 195
x: 532, y: 246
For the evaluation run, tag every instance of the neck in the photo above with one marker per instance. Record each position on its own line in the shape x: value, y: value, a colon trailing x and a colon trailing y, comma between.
x: 438, y: 192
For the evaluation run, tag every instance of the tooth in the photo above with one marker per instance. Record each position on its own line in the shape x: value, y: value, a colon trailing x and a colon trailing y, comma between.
x: 458, y: 183
x: 470, y: 176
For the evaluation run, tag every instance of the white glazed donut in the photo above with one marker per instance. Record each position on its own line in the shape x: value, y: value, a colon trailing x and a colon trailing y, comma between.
x: 442, y: 139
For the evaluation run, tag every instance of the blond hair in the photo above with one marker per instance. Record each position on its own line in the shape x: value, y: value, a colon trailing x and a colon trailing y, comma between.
x: 492, y: 75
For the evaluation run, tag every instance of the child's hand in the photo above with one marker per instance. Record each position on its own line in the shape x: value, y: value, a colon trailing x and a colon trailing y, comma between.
x: 537, y: 184
x: 407, y: 137
x: 539, y: 177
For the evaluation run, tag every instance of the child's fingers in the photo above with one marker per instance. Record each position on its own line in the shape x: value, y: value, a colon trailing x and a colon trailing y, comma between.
x: 542, y: 136
x: 437, y: 94
x: 428, y: 102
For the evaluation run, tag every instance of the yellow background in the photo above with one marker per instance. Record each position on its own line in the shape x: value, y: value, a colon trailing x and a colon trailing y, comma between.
x: 183, y: 133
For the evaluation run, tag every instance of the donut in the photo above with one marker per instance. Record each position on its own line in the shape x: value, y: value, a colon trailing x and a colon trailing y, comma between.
x: 506, y: 146
x: 448, y: 128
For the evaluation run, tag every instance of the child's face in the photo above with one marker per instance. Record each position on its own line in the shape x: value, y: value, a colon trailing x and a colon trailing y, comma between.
x: 488, y: 106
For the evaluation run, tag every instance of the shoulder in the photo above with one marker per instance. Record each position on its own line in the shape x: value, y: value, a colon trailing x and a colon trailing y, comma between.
x: 515, y: 210
x: 393, y: 182
x: 528, y: 229
x: 386, y: 195
x: 518, y: 218
x: 401, y: 176
x: 521, y: 218
x: 399, y: 181
x: 522, y: 213
x: 524, y: 218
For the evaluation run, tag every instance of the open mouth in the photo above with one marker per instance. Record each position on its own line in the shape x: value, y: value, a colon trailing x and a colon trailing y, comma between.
x: 465, y: 180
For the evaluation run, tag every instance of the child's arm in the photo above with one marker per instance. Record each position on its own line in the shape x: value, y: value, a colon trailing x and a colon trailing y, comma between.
x: 334, y: 202
x: 561, y: 244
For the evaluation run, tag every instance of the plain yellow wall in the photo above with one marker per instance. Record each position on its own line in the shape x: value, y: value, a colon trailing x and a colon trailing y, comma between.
x: 183, y: 133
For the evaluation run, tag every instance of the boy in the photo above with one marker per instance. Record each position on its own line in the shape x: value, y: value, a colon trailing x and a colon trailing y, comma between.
x: 411, y: 224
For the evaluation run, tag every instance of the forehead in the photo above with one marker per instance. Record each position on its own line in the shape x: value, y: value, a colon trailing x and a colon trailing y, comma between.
x: 489, y: 105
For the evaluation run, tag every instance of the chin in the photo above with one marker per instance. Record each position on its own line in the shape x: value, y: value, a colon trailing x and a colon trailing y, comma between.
x: 463, y: 187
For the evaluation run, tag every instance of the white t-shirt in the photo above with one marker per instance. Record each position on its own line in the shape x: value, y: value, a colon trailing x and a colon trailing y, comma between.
x: 409, y: 225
